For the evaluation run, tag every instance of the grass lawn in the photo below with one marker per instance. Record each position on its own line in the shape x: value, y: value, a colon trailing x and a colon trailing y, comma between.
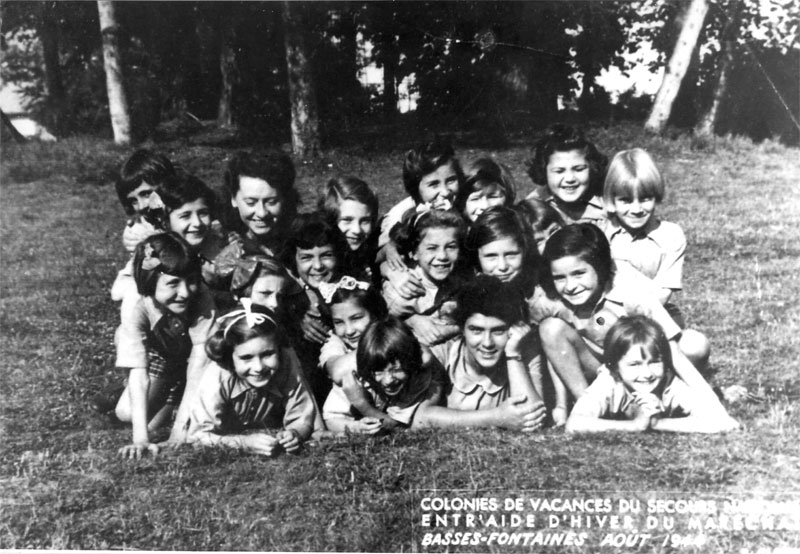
x: 63, y: 487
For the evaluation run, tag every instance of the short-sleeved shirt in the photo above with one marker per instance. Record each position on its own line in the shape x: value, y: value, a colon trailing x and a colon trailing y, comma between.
x: 468, y: 391
x: 607, y: 398
x: 657, y: 252
x: 393, y: 217
x: 592, y: 211
x: 140, y: 315
x: 426, y: 384
x: 629, y: 293
x: 226, y: 404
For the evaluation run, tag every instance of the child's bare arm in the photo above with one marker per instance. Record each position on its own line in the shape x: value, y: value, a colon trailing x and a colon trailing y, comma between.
x: 696, y: 424
x: 430, y: 330
x: 363, y: 426
x: 406, y: 283
x: 138, y: 384
x: 388, y: 253
x: 516, y: 413
x: 582, y: 422
x: 358, y: 398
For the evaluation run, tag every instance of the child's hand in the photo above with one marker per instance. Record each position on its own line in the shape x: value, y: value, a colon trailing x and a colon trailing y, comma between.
x: 393, y: 257
x: 519, y: 414
x: 366, y: 426
x: 406, y: 283
x: 646, y: 407
x: 559, y: 415
x: 429, y: 330
x: 314, y: 330
x: 516, y: 333
x: 136, y: 450
x: 261, y: 443
x: 289, y: 440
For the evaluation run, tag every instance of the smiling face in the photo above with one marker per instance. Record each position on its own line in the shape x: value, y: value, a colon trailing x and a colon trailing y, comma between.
x: 267, y: 291
x: 138, y: 198
x: 437, y: 252
x: 633, y: 212
x: 191, y: 221
x: 259, y: 205
x: 392, y: 379
x: 576, y: 281
x: 350, y: 320
x: 485, y: 339
x: 501, y: 258
x: 640, y: 372
x: 439, y: 186
x: 483, y: 199
x: 568, y: 176
x: 315, y: 265
x: 355, y: 222
x: 255, y: 361
x: 174, y: 293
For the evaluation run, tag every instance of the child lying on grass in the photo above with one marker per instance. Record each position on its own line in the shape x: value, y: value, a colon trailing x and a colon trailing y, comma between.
x: 638, y: 390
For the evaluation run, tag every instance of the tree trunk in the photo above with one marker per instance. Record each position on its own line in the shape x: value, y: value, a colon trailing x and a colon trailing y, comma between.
x: 56, y: 92
x: 302, y: 97
x: 678, y: 64
x: 707, y: 122
x: 117, y: 99
x: 227, y: 68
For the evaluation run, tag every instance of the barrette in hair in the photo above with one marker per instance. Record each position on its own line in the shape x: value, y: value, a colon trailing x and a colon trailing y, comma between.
x: 150, y: 260
x: 252, y: 318
x: 425, y: 207
x: 327, y: 290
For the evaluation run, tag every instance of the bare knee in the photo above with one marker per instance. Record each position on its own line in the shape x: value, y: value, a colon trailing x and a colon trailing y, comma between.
x: 123, y: 409
x: 554, y: 331
x: 696, y: 347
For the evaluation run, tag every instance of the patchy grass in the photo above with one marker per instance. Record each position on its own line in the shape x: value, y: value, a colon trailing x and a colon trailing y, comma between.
x: 61, y: 485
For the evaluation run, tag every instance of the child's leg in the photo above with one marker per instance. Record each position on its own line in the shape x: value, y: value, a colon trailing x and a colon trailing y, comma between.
x: 696, y: 347
x: 561, y: 408
x: 568, y: 354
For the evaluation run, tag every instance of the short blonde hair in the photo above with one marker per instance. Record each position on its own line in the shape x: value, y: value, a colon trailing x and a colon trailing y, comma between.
x: 632, y: 173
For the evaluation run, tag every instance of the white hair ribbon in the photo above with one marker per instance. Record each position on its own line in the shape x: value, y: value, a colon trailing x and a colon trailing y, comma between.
x: 327, y: 290
x: 252, y: 318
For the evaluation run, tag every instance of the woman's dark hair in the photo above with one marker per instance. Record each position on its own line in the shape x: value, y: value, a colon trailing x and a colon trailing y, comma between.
x: 637, y: 330
x: 384, y: 342
x: 425, y: 159
x: 488, y: 296
x: 408, y: 233
x: 162, y: 253
x: 221, y: 343
x: 500, y: 223
x: 311, y: 231
x: 143, y: 166
x: 584, y: 241
x: 276, y: 168
x: 563, y: 138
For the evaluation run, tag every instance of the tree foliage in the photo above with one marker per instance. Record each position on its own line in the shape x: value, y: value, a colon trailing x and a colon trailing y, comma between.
x: 495, y: 66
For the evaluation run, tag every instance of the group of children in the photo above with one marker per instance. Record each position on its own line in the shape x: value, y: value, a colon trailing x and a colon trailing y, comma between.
x: 254, y: 326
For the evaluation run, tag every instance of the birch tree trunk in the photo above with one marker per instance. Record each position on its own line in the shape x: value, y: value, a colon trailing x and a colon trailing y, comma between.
x: 302, y: 96
x: 678, y: 64
x: 117, y: 99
